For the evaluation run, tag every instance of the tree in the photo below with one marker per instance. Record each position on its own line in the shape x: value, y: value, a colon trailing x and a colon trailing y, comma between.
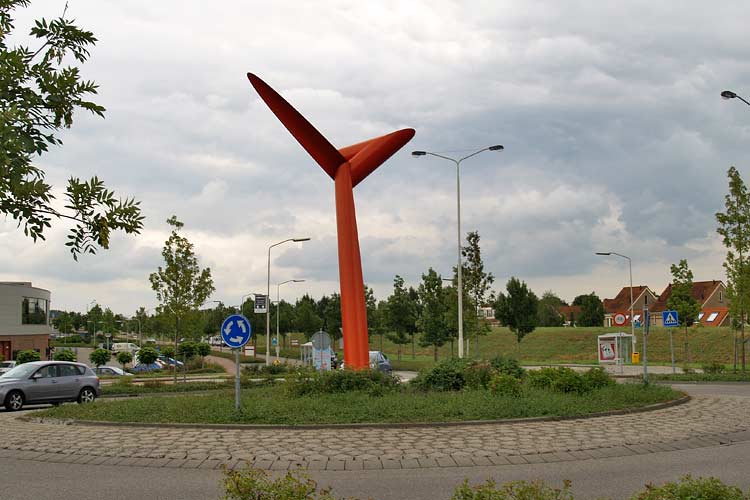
x: 681, y: 299
x: 733, y: 227
x: 124, y: 358
x: 330, y: 311
x: 592, y: 310
x: 203, y: 349
x: 548, y: 312
x: 402, y: 315
x: 375, y: 319
x: 147, y: 356
x: 434, y: 331
x: 38, y: 97
x: 476, y: 281
x: 99, y: 357
x: 306, y: 319
x: 181, y: 286
x: 168, y: 351
x: 518, y: 309
x: 64, y: 355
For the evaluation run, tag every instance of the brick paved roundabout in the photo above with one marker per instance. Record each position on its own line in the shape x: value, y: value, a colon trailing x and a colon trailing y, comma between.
x: 702, y: 422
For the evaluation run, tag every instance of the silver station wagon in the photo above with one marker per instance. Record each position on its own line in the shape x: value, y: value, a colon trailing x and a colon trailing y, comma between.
x: 48, y: 382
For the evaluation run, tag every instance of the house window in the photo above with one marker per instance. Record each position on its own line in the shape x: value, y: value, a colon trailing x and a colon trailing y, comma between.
x: 700, y: 316
x: 33, y: 311
x: 645, y: 299
x: 712, y: 317
x: 721, y: 296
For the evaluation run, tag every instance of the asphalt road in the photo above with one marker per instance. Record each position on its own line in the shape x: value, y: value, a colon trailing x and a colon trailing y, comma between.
x: 614, y: 478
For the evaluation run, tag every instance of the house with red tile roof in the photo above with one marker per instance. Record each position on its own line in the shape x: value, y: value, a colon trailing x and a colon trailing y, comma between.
x: 617, y: 310
x: 711, y: 295
x: 570, y: 314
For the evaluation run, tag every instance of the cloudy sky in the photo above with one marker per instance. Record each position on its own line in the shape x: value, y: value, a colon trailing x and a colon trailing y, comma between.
x: 615, y: 135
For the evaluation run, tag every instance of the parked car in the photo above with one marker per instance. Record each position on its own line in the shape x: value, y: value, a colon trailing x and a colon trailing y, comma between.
x: 6, y: 366
x: 111, y: 371
x: 169, y: 361
x: 379, y: 361
x: 48, y: 382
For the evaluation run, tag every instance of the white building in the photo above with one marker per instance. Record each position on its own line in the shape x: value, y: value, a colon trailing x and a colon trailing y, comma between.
x: 24, y: 319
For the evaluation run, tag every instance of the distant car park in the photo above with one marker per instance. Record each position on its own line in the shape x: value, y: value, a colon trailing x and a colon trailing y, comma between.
x: 111, y: 371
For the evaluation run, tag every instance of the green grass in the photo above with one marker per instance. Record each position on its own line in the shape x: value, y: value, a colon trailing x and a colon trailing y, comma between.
x: 571, y: 345
x: 269, y: 405
x: 152, y: 388
x: 703, y: 377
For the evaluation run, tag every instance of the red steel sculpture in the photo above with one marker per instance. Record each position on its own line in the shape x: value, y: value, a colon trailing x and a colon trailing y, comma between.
x: 347, y: 167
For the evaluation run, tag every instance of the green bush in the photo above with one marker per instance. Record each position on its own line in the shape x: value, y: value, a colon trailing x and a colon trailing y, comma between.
x: 99, y: 357
x: 27, y: 356
x: 516, y: 490
x: 569, y: 380
x: 124, y: 358
x: 447, y: 375
x: 542, y: 378
x: 339, y: 381
x: 597, y: 378
x: 478, y: 374
x: 203, y: 349
x: 508, y: 366
x: 254, y: 484
x: 64, y: 355
x: 147, y: 355
x: 168, y: 351
x: 702, y: 488
x: 713, y: 367
x: 187, y: 350
x: 505, y: 385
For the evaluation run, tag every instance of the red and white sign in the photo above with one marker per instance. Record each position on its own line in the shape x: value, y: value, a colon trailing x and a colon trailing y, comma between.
x: 607, y: 350
x: 620, y: 319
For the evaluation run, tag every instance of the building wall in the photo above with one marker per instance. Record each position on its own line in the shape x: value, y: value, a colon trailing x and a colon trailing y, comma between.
x: 717, y: 299
x: 12, y: 330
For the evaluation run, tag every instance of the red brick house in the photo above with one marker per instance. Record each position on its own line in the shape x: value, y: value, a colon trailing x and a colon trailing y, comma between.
x: 711, y: 295
x: 642, y: 295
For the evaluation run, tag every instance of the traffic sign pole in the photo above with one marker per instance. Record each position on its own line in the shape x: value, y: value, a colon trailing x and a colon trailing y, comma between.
x: 646, y: 325
x: 671, y: 348
x: 236, y: 331
x: 670, y: 319
x: 237, y: 379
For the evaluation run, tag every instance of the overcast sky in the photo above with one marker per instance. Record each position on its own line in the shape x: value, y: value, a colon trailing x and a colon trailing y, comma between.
x: 615, y: 139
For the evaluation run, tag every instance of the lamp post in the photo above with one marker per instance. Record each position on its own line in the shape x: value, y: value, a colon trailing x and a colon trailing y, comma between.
x: 278, y: 286
x: 268, y: 295
x: 458, y: 161
x: 728, y: 94
x: 632, y: 324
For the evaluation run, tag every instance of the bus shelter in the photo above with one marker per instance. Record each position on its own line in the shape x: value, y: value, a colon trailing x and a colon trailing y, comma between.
x: 615, y: 348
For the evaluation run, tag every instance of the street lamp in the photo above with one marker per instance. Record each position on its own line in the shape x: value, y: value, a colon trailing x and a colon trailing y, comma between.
x: 278, y: 286
x: 496, y: 147
x: 728, y: 94
x: 268, y: 296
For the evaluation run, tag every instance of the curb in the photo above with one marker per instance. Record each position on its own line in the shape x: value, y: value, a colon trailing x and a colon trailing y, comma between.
x: 406, y: 425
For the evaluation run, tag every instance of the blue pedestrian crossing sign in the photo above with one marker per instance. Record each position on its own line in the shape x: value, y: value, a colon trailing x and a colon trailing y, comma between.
x: 236, y: 331
x: 669, y: 318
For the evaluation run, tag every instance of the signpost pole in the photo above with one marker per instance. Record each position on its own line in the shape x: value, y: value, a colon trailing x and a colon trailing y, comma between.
x: 646, y: 325
x: 671, y: 349
x: 237, y: 379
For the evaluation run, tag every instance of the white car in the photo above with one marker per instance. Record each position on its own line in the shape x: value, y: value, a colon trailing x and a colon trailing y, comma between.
x: 125, y: 347
x: 6, y: 366
x: 111, y: 371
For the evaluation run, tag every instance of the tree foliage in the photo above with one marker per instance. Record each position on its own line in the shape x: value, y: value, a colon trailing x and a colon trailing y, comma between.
x: 434, y: 331
x: 181, y: 286
x: 548, y: 312
x: 592, y: 310
x: 733, y: 227
x: 124, y: 358
x: 401, y: 315
x: 39, y: 95
x: 518, y: 309
x: 99, y: 357
x: 681, y: 299
x: 475, y: 279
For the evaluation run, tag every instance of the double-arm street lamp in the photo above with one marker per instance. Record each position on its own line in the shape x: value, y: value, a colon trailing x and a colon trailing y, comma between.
x: 458, y: 161
x: 728, y: 94
x: 268, y: 297
x: 278, y: 303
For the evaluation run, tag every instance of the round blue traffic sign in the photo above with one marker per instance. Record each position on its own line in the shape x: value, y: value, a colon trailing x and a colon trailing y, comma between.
x: 236, y: 331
